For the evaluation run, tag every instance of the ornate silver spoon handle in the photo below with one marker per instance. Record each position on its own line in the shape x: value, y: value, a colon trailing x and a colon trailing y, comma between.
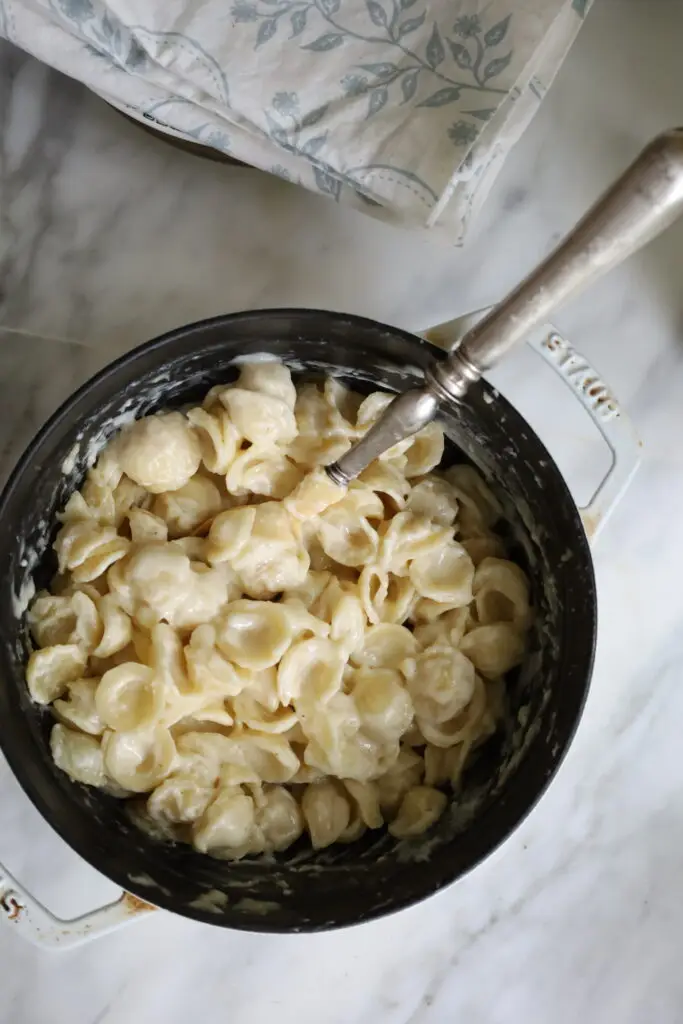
x: 645, y: 200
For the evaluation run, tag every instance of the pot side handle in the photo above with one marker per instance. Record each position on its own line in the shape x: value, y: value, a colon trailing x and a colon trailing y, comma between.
x: 607, y: 415
x: 35, y: 923
x: 597, y: 399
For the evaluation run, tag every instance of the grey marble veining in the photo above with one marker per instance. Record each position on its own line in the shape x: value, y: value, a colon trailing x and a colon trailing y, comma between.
x: 36, y: 375
x: 108, y: 237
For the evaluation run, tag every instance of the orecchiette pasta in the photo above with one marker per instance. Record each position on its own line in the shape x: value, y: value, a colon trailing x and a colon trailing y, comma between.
x: 262, y: 471
x: 387, y: 481
x: 78, y: 754
x: 145, y: 526
x: 408, y: 537
x: 386, y: 645
x: 361, y: 500
x: 447, y: 629
x: 271, y: 378
x: 501, y: 593
x: 274, y: 559
x: 79, y: 709
x: 384, y: 705
x: 441, y: 685
x: 87, y: 548
x: 485, y: 546
x: 51, y: 669
x: 160, y: 452
x: 160, y: 582
x: 192, y: 504
x: 313, y: 495
x: 209, y: 672
x: 479, y: 510
x: 260, y: 418
x: 326, y: 811
x: 385, y: 597
x: 310, y: 671
x: 229, y: 534
x: 65, y: 619
x: 371, y: 408
x: 425, y: 452
x: 279, y: 818
x: 250, y: 651
x: 494, y: 649
x: 227, y: 823
x: 464, y: 727
x: 138, y: 760
x: 365, y: 795
x: 322, y: 434
x: 343, y: 403
x: 269, y: 755
x: 181, y: 798
x: 250, y: 712
x: 262, y: 686
x: 130, y: 697
x: 304, y: 624
x: 420, y: 808
x: 332, y: 731
x: 347, y: 537
x: 433, y: 499
x: 254, y: 634
x: 116, y: 630
x: 218, y: 438
x: 406, y: 772
x: 347, y: 623
x: 444, y: 574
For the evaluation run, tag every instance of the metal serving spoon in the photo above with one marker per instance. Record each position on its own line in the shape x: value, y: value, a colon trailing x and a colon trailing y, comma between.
x: 647, y: 198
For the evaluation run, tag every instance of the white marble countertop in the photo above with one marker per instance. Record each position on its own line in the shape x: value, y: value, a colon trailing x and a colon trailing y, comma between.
x: 108, y: 237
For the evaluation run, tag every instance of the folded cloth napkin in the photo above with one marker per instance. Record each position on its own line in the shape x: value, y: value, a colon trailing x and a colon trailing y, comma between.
x: 404, y: 108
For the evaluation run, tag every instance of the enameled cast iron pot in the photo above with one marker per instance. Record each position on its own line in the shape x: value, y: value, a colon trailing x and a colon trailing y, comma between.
x: 300, y: 890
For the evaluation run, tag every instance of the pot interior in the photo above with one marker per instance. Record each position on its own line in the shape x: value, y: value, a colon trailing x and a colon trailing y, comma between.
x: 301, y: 890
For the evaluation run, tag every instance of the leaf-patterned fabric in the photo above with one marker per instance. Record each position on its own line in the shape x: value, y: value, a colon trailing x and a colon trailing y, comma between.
x: 404, y: 108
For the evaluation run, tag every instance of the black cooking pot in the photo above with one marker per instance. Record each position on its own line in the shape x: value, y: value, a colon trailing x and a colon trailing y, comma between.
x: 301, y: 890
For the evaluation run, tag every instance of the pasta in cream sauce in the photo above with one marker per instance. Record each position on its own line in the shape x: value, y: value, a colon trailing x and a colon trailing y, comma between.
x: 255, y: 652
